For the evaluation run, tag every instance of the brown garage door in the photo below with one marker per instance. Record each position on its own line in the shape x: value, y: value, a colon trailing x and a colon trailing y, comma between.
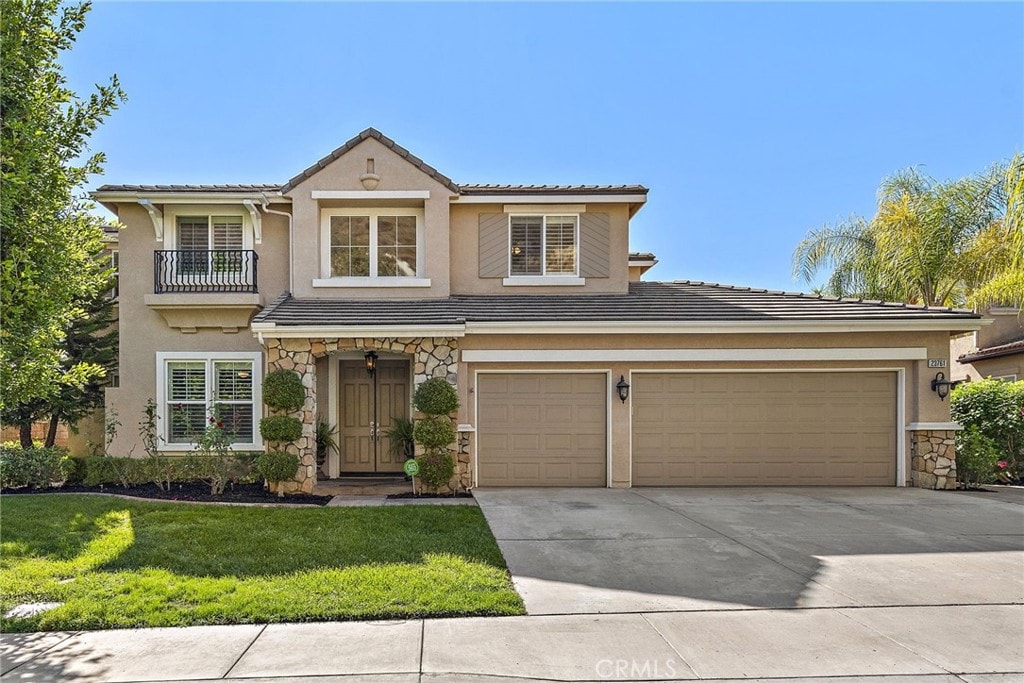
x: 542, y: 429
x: 720, y: 429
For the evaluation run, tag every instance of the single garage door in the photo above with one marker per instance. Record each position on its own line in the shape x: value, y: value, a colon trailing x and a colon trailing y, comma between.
x: 541, y: 429
x: 767, y: 428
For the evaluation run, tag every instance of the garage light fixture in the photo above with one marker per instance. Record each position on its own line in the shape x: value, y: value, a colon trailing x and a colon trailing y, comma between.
x: 623, y: 388
x: 371, y: 362
x: 941, y: 385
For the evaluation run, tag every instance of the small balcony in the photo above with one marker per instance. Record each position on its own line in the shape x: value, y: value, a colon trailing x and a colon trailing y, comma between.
x: 205, y: 271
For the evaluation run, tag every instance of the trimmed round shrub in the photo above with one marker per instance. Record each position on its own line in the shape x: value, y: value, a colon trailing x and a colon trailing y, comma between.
x: 433, y: 432
x: 436, y: 469
x: 436, y: 396
x: 280, y: 428
x: 277, y: 465
x: 283, y: 390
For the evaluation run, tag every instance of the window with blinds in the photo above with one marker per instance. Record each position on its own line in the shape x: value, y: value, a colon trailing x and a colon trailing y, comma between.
x: 542, y: 245
x: 210, y: 243
x: 186, y: 400
x: 201, y: 389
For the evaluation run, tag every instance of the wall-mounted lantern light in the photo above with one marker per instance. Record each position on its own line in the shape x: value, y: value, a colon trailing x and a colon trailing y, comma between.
x: 371, y: 362
x: 941, y: 385
x: 623, y: 388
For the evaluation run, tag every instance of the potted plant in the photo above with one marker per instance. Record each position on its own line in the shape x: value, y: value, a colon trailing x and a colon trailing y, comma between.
x: 400, y: 436
x: 325, y: 443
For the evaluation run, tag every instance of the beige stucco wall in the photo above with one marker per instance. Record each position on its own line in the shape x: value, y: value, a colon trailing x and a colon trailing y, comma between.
x: 465, y: 254
x: 143, y: 330
x: 395, y: 174
x: 1007, y: 325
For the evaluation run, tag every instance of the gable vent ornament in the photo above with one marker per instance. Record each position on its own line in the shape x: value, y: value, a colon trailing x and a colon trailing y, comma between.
x: 370, y: 180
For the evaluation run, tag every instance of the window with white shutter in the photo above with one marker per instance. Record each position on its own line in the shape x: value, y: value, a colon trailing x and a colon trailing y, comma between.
x: 543, y: 245
x: 197, y: 389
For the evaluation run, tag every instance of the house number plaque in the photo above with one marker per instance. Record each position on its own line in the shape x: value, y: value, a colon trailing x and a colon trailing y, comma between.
x: 936, y: 362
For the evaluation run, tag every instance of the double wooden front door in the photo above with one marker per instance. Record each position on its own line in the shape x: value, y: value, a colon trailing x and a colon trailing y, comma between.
x: 368, y: 407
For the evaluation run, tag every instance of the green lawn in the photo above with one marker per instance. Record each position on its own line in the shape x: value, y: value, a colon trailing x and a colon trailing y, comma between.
x: 121, y: 564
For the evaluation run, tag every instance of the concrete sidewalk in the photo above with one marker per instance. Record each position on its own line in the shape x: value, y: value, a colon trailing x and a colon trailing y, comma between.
x: 978, y: 643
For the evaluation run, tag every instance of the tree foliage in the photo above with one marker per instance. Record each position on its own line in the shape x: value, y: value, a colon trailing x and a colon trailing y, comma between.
x: 89, y: 339
x: 50, y: 247
x: 929, y: 242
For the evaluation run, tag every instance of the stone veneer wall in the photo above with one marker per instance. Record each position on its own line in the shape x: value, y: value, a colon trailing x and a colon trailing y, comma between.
x: 431, y: 357
x: 933, y: 461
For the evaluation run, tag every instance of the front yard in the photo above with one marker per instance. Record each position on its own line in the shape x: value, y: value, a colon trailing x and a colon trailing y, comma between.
x: 115, y: 563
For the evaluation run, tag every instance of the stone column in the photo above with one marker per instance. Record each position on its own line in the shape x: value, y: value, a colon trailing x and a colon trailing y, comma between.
x: 933, y: 459
x: 296, y: 355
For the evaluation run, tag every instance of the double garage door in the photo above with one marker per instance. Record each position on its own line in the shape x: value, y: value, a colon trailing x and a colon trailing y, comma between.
x: 690, y: 429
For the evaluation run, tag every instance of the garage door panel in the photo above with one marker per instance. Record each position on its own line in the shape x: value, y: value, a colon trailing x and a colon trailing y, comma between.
x: 542, y: 429
x: 817, y: 428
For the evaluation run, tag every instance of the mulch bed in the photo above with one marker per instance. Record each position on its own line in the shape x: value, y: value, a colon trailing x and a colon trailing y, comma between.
x: 200, y: 493
x: 410, y: 494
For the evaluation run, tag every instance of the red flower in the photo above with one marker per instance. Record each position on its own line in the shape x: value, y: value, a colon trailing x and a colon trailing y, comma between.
x: 220, y: 424
x: 1002, y: 464
x: 212, y: 419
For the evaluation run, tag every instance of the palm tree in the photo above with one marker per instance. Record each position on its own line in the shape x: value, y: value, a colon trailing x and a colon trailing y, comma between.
x: 930, y: 243
x: 1006, y: 286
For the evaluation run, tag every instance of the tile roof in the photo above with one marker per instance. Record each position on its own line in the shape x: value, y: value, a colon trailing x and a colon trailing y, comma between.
x: 551, y: 189
x: 681, y: 301
x: 384, y: 140
x: 993, y: 352
x: 258, y: 187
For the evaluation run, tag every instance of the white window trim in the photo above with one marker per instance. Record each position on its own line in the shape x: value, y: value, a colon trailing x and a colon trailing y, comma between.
x: 165, y: 357
x: 234, y: 210
x: 373, y: 280
x: 534, y: 280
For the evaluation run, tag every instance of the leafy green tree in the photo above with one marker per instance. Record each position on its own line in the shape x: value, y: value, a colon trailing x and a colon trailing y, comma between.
x: 49, y: 249
x: 90, y: 338
x: 929, y: 242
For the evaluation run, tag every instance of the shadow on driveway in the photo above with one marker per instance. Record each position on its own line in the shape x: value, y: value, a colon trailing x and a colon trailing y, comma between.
x: 606, y: 550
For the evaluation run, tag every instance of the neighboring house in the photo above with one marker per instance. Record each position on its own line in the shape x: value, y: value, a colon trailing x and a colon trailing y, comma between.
x: 527, y: 298
x: 996, y: 350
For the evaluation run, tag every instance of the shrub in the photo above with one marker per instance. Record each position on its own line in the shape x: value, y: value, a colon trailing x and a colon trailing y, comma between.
x: 164, y: 470
x: 128, y: 472
x: 283, y: 390
x: 74, y: 470
x: 994, y: 408
x: 434, y: 433
x: 216, y: 470
x: 436, y: 396
x: 278, y: 466
x: 36, y: 466
x: 976, y: 458
x: 436, y: 469
x: 280, y: 428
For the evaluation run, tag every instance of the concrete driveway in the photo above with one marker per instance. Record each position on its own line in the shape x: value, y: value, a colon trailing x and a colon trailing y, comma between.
x: 575, y: 551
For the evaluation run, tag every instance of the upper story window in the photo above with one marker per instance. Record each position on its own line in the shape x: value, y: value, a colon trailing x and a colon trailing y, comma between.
x: 379, y: 247
x: 543, y: 245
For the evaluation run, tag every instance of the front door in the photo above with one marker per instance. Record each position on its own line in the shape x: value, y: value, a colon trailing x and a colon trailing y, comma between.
x: 369, y: 404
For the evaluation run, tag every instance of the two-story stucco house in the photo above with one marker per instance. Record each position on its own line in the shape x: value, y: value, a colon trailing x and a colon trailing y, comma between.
x: 570, y: 369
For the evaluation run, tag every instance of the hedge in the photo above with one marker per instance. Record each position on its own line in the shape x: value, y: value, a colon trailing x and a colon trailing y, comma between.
x: 37, y: 466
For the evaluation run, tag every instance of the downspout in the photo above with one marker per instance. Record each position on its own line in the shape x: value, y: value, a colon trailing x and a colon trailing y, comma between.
x: 265, y: 205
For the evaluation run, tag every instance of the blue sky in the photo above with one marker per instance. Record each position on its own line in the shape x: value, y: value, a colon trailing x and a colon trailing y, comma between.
x: 751, y: 123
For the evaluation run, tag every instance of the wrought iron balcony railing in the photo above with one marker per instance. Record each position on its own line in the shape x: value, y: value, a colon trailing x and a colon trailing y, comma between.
x: 205, y: 270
